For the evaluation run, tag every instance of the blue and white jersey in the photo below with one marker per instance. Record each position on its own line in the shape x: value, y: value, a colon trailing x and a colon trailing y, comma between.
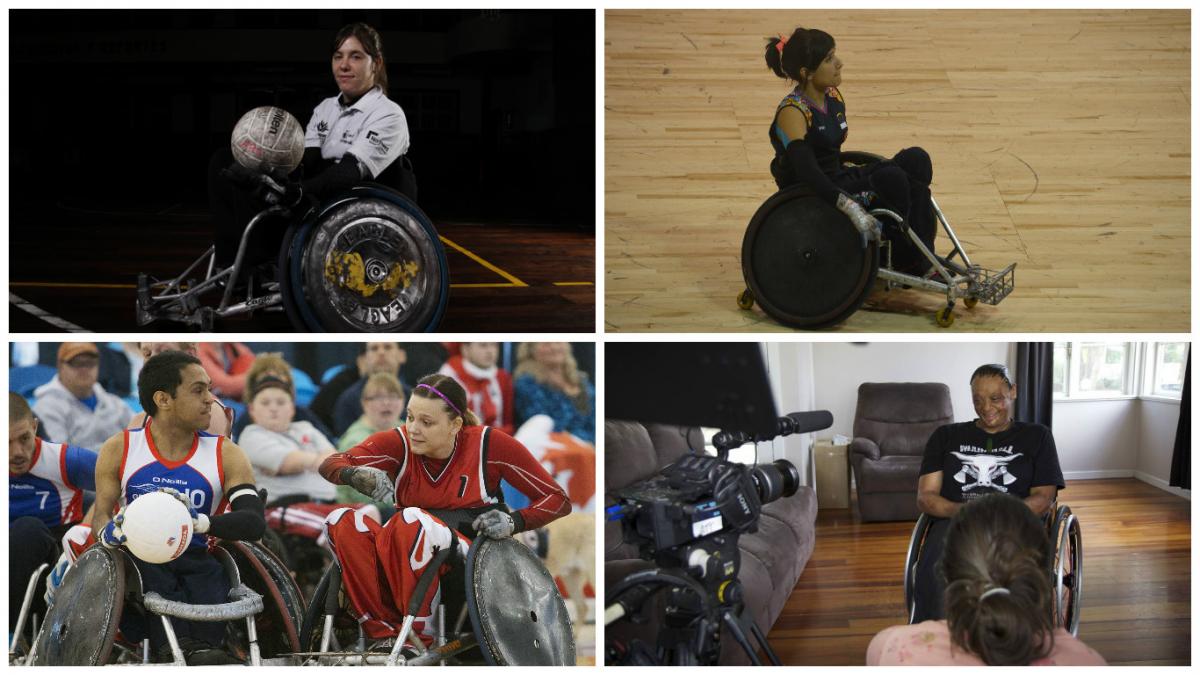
x: 52, y: 489
x: 199, y: 475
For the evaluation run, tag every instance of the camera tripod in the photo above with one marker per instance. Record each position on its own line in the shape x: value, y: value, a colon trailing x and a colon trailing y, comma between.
x: 695, y: 614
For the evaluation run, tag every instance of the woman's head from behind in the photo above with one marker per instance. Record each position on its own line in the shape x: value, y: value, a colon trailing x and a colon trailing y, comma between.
x: 998, y: 594
x: 808, y: 54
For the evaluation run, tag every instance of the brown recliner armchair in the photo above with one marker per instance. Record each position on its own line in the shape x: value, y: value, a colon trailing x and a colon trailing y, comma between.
x: 892, y: 424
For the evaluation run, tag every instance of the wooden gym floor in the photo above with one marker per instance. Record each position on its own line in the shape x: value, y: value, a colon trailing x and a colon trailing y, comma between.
x: 1136, y: 583
x: 504, y: 277
x: 1060, y: 140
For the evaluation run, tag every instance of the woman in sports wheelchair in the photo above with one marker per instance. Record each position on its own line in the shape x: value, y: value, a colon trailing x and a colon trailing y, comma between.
x: 999, y: 598
x: 442, y: 469
x: 801, y: 262
x: 337, y: 242
x: 994, y: 453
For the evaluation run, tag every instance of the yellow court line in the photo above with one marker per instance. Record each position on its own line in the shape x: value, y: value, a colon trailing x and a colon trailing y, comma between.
x: 485, y: 285
x: 574, y: 283
x: 515, y: 281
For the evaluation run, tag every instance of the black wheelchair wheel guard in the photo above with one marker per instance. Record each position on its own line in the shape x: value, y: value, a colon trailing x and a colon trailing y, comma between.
x: 369, y: 261
x: 82, y: 624
x: 517, y: 613
x: 278, y: 625
x: 804, y: 261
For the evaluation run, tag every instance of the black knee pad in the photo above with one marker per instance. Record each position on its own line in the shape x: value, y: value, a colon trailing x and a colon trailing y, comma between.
x: 916, y: 163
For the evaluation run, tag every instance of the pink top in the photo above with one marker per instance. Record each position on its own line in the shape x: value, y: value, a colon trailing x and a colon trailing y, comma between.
x: 928, y: 644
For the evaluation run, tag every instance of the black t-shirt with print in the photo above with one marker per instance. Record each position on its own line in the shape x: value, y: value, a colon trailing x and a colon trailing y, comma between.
x: 975, y: 463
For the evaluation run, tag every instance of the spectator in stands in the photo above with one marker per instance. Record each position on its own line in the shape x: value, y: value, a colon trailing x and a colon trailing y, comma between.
x: 73, y: 407
x: 376, y: 357
x: 489, y: 387
x: 272, y: 364
x: 226, y: 364
x: 548, y: 382
x: 383, y: 406
x: 284, y: 452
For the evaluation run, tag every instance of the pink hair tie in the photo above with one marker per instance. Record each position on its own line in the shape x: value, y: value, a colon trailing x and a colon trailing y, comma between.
x: 781, y: 44
x: 443, y: 396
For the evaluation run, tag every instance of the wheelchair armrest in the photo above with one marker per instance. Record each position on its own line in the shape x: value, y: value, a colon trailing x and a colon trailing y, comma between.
x: 865, y: 447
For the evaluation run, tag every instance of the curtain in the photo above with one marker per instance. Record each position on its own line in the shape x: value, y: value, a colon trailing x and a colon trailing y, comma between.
x: 1035, y: 382
x: 1181, y: 460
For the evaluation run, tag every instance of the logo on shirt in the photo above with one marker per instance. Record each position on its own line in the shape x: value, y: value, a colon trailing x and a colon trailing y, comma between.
x: 322, y: 129
x: 375, y: 139
x: 988, y: 471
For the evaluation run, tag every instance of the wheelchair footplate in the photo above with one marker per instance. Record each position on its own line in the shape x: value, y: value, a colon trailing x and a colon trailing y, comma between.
x: 991, y: 286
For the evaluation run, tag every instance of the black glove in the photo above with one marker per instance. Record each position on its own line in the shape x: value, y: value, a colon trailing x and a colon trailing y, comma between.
x: 277, y: 188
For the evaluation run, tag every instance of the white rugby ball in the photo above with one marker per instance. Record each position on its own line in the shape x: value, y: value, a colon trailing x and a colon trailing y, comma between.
x: 268, y: 138
x: 157, y: 527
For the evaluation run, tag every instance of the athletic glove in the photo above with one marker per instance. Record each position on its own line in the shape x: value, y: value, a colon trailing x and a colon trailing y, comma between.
x: 199, y: 520
x: 868, y: 227
x: 495, y: 524
x: 56, y: 577
x: 371, y: 482
x: 277, y: 189
x: 112, y: 536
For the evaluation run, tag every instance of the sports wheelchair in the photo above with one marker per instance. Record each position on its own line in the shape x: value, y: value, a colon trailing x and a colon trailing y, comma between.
x: 369, y: 260
x: 81, y: 627
x: 1066, y: 568
x: 504, y: 606
x: 26, y: 628
x: 804, y: 263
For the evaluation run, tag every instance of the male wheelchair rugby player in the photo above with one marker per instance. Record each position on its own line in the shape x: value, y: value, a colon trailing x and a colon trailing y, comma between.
x: 806, y: 264
x: 366, y: 259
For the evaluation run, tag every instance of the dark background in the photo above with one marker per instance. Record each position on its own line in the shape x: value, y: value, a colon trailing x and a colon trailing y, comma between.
x: 123, y: 108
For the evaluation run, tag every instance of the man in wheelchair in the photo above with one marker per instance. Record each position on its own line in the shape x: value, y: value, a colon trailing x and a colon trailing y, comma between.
x: 442, y: 469
x: 968, y: 460
x: 206, y: 473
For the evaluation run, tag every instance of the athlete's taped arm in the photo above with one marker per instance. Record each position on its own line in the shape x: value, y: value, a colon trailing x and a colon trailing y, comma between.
x: 245, y: 520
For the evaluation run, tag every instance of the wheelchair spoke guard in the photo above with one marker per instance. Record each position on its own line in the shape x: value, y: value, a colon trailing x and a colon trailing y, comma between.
x: 368, y: 262
x: 516, y: 610
x: 81, y: 625
x: 804, y: 261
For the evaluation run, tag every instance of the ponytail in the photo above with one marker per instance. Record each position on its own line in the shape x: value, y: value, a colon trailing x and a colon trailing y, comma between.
x: 806, y: 48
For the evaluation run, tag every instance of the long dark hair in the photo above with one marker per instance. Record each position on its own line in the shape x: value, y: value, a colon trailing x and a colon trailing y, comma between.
x: 806, y: 48
x: 372, y: 44
x: 996, y: 542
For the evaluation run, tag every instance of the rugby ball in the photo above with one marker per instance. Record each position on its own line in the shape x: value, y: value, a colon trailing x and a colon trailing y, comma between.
x: 157, y: 527
x: 268, y: 138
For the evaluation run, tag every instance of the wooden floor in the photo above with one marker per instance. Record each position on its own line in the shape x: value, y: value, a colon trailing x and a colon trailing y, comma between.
x: 1060, y: 141
x: 504, y: 277
x: 1136, y: 592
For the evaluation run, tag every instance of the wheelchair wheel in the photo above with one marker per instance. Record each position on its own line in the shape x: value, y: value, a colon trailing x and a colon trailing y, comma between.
x: 804, y: 262
x: 915, y: 543
x: 1068, y: 569
x: 345, y: 628
x: 370, y: 261
x: 266, y: 575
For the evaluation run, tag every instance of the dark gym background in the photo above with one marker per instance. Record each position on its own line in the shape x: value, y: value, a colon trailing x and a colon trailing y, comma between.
x: 118, y: 111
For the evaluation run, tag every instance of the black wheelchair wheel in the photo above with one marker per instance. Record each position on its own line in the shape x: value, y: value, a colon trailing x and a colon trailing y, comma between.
x: 370, y: 261
x: 1068, y: 570
x: 804, y: 261
x: 345, y: 628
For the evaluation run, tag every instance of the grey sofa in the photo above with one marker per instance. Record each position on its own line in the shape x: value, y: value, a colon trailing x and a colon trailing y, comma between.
x: 771, y: 558
x: 892, y: 424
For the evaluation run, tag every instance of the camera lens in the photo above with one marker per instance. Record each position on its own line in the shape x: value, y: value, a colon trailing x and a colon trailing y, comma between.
x: 775, y: 480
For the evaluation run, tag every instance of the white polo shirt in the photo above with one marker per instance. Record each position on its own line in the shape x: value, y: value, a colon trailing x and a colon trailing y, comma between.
x: 374, y: 130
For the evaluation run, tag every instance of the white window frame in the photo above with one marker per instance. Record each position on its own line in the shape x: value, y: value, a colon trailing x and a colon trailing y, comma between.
x: 1133, y: 369
x: 1150, y: 361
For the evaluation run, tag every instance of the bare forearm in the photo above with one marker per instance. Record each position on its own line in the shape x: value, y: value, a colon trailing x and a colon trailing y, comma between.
x: 1039, y: 504
x: 936, y: 505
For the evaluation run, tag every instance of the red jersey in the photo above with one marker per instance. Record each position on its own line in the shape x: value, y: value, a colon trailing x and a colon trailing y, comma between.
x: 468, y: 478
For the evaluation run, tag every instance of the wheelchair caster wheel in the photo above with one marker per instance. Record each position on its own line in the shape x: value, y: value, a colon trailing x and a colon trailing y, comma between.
x: 745, y: 299
x: 945, y: 317
x: 970, y: 303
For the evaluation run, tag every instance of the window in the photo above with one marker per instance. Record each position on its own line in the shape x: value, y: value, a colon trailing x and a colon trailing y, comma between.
x: 1086, y: 370
x: 1165, y: 368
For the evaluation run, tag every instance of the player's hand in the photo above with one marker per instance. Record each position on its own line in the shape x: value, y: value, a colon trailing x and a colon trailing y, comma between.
x: 199, y: 520
x: 868, y: 227
x: 372, y: 482
x: 235, y: 173
x: 112, y: 536
x: 495, y: 524
x: 55, y: 579
x: 278, y: 189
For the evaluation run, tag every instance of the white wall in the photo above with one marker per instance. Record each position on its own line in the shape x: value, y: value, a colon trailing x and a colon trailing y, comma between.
x: 1096, y: 439
x: 840, y: 367
x: 1156, y: 440
x: 790, y: 369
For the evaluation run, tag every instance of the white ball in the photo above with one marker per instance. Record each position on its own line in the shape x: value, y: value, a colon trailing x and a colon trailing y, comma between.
x: 268, y: 138
x: 158, y: 527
